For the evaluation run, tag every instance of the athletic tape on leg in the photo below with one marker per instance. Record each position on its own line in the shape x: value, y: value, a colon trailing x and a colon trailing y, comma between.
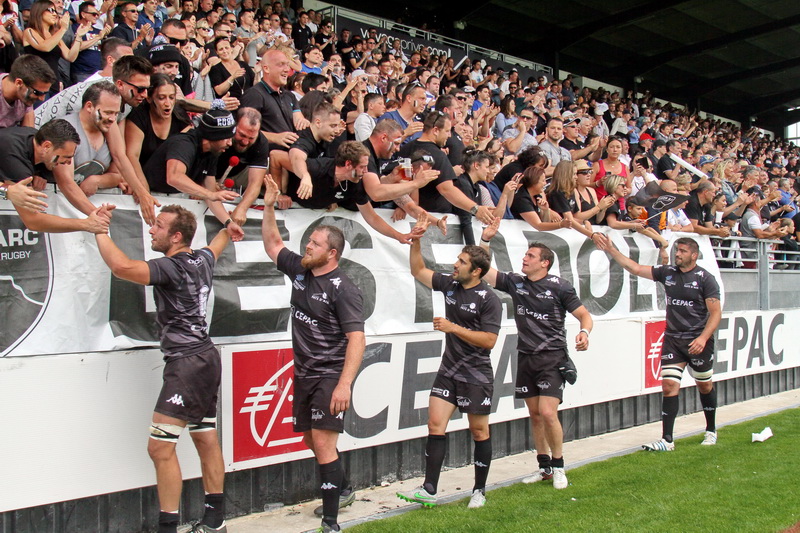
x: 165, y: 432
x: 701, y: 376
x: 673, y: 372
x: 207, y: 424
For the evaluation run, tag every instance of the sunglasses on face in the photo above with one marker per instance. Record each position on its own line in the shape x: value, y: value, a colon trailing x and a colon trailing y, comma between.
x: 52, y: 10
x: 462, y: 98
x: 37, y: 92
x: 137, y: 88
x: 179, y: 42
x: 584, y: 172
x: 94, y: 14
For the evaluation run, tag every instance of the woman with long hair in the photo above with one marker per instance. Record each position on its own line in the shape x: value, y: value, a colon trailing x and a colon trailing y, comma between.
x: 507, y: 116
x: 562, y: 197
x: 153, y: 122
x: 610, y: 165
x: 43, y: 36
x: 229, y: 76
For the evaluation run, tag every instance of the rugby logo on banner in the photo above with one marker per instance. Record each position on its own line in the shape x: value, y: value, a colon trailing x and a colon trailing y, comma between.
x: 653, y: 341
x: 262, y: 409
x: 26, y: 279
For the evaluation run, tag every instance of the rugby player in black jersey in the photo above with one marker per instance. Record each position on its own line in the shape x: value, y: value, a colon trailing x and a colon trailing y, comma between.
x: 693, y: 315
x: 465, y: 378
x: 182, y: 282
x: 541, y: 302
x: 328, y: 343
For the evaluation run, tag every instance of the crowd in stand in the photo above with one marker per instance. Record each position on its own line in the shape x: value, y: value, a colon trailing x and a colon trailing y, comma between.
x: 203, y: 99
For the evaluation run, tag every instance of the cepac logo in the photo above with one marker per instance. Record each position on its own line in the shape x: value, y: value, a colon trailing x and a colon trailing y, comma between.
x: 262, y: 404
x: 26, y: 279
x: 653, y: 341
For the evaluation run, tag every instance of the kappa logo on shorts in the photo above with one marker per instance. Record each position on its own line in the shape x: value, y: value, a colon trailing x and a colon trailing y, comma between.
x: 543, y: 384
x: 463, y: 401
x: 317, y: 414
x: 177, y: 399
x: 487, y: 401
x: 340, y: 416
x: 26, y: 279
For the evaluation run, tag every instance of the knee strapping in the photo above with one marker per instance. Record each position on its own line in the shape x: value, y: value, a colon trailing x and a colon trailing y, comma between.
x: 207, y: 424
x: 701, y: 376
x: 673, y: 372
x: 165, y: 432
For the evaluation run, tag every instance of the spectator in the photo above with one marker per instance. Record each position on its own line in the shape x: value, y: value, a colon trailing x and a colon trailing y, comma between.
x: 754, y: 227
x: 44, y: 34
x: 375, y: 106
x: 412, y: 104
x: 230, y: 77
x: 27, y: 82
x: 698, y: 210
x: 787, y: 200
x: 590, y: 208
x: 550, y: 145
x: 610, y: 165
x: 640, y: 173
x: 30, y: 158
x: 312, y: 143
x: 129, y: 30
x: 152, y: 123
x: 89, y: 59
x: 530, y: 203
x: 571, y: 141
x: 518, y: 138
x: 667, y: 168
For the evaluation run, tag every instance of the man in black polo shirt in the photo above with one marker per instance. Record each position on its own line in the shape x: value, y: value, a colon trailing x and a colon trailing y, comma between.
x: 187, y: 163
x: 29, y: 158
x: 465, y: 379
x: 667, y: 168
x: 280, y: 115
x: 328, y: 343
x: 440, y: 195
x: 337, y: 183
x: 698, y: 211
x: 182, y: 282
x: 693, y: 315
x: 542, y: 301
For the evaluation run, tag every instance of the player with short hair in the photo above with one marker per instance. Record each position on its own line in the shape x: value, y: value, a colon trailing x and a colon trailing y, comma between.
x: 541, y: 302
x: 328, y: 343
x: 182, y: 281
x: 465, y: 379
x: 693, y: 315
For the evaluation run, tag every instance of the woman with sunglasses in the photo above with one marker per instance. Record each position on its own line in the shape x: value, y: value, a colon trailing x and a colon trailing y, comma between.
x: 590, y: 208
x: 562, y: 198
x: 153, y: 122
x: 44, y: 34
x: 229, y: 76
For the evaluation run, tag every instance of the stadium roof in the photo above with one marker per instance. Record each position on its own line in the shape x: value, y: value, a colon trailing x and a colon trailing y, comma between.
x: 736, y: 58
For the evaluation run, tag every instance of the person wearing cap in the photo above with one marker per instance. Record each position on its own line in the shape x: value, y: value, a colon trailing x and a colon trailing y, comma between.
x: 706, y: 164
x: 187, y: 163
x: 572, y: 143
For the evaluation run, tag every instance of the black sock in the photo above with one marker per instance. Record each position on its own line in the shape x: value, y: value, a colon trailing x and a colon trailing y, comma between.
x: 669, y: 410
x: 214, y: 514
x: 544, y: 462
x: 483, y: 459
x: 168, y: 522
x: 557, y: 462
x: 434, y: 458
x: 346, y: 488
x: 331, y: 476
x: 709, y: 402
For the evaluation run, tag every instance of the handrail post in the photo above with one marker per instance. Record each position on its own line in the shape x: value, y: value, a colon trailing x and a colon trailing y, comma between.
x: 763, y: 275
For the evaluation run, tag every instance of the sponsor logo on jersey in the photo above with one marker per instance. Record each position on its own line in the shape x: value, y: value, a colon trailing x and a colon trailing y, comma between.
x: 520, y: 290
x: 299, y: 315
x: 520, y: 309
x: 555, y: 280
x: 691, y: 285
x: 297, y: 282
x: 471, y: 308
x: 336, y: 282
x: 669, y: 282
x: 321, y: 297
x: 679, y: 302
x: 482, y: 294
x: 546, y: 295
x: 176, y: 399
x: 538, y: 316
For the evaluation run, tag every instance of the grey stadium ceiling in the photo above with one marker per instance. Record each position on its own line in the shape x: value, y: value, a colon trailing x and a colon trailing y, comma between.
x: 735, y: 58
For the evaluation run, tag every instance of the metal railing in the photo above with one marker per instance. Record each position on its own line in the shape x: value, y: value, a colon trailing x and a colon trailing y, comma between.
x: 758, y: 274
x: 386, y: 24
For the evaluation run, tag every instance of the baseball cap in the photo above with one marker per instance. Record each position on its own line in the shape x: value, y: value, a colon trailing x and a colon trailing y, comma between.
x: 216, y: 125
x: 704, y: 160
x: 646, y: 137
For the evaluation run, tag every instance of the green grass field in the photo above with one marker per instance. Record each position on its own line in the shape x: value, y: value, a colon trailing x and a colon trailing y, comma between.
x: 734, y: 486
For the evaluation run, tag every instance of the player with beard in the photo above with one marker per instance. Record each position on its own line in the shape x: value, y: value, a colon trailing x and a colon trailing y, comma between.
x: 693, y: 314
x: 182, y: 282
x: 541, y: 301
x: 465, y: 379
x: 187, y: 163
x: 328, y: 343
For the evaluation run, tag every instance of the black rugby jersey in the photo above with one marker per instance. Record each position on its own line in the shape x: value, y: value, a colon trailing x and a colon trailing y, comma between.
x: 181, y: 285
x: 687, y: 292
x: 477, y: 309
x: 324, y: 309
x: 540, y: 308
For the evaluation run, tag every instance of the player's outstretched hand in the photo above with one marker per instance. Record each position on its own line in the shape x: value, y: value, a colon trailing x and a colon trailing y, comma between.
x: 582, y: 342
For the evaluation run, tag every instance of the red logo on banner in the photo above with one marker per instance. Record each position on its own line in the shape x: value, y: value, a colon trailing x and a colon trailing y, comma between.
x: 653, y: 340
x: 262, y: 404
